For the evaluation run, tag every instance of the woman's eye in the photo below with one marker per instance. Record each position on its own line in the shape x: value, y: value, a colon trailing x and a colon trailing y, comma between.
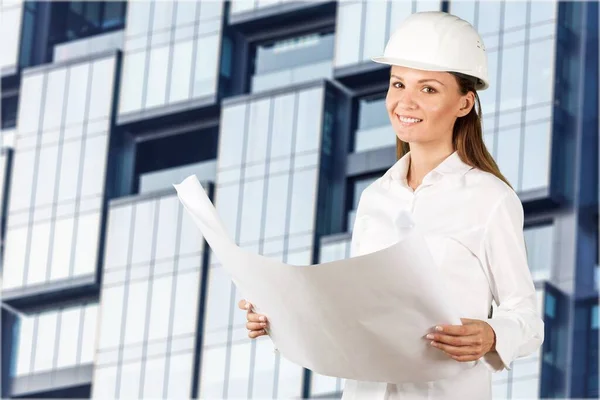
x: 427, y: 89
x: 397, y: 85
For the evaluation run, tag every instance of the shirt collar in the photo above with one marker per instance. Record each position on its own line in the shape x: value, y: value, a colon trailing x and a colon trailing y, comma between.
x: 452, y: 165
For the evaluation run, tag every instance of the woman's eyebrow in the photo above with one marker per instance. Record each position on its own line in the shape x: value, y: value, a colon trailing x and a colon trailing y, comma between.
x: 421, y: 81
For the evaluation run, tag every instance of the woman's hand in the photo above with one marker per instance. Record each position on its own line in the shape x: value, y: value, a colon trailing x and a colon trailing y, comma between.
x: 468, y: 342
x: 257, y: 324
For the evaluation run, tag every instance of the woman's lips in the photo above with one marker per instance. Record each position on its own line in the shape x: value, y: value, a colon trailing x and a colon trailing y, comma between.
x: 408, y: 121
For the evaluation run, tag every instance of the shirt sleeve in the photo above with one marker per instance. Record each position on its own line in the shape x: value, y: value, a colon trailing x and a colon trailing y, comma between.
x: 516, y: 322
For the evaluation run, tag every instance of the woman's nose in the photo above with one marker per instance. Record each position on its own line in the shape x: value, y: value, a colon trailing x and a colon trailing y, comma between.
x: 402, y: 100
x: 405, y: 101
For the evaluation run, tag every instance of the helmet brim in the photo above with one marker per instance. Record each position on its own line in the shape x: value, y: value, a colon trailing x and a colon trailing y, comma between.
x: 482, y: 85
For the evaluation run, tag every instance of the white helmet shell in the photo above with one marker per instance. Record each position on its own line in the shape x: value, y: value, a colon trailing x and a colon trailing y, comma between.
x: 438, y: 41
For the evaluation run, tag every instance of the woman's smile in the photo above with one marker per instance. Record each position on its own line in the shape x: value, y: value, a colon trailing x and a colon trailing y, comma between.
x: 407, y: 120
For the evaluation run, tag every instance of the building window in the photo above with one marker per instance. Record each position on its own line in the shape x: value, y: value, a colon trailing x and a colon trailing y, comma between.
x: 520, y: 40
x: 9, y: 111
x: 56, y: 339
x: 355, y: 189
x: 592, y: 368
x: 79, y: 19
x: 555, y: 340
x: 163, y: 161
x: 539, y: 241
x: 363, y: 27
x: 171, y: 55
x: 373, y: 129
x: 293, y: 60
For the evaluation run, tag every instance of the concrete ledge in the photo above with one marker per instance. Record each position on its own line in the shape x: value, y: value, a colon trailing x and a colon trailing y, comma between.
x: 156, y: 112
x: 371, y: 161
x: 336, y: 237
x: 29, y: 298
x: 52, y: 380
x: 271, y: 11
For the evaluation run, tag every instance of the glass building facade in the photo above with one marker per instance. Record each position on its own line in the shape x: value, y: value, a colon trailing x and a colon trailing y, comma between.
x: 108, y: 289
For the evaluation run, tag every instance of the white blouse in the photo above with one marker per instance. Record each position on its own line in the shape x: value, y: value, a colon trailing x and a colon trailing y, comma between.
x: 473, y: 224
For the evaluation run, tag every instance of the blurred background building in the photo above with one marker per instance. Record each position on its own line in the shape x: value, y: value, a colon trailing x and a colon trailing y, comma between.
x: 107, y: 289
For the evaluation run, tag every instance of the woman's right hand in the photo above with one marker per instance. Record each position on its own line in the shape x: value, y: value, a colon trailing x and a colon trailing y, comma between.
x: 257, y: 323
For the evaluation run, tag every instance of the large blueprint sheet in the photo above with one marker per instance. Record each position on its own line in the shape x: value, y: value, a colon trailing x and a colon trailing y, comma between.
x: 362, y: 318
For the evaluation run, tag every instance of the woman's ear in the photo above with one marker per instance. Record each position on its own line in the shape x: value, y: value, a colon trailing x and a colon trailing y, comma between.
x: 466, y: 104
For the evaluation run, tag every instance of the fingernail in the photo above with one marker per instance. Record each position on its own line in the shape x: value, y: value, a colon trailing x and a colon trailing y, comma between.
x: 429, y: 336
x: 433, y: 344
x: 438, y: 328
x: 263, y: 324
x: 247, y: 306
x: 262, y: 318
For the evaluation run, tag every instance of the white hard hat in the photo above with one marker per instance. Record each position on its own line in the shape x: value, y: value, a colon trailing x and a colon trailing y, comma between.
x: 438, y: 41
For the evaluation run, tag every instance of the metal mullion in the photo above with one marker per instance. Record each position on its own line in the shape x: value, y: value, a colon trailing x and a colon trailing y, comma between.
x: 36, y: 163
x: 82, y: 312
x: 524, y: 97
x: 361, y: 42
x: 237, y: 239
x: 149, y: 296
x: 125, y: 301
x: 147, y: 50
x: 171, y: 51
x: 287, y: 219
x: 56, y: 340
x: 261, y: 237
x: 194, y: 50
x: 81, y: 168
x: 57, y: 176
x: 36, y: 321
x: 498, y: 83
x: 173, y: 298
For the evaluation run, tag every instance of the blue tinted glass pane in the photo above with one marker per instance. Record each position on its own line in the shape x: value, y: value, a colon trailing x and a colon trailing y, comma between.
x: 113, y: 14
x: 515, y: 14
x: 374, y: 37
x: 542, y: 11
x: 372, y: 112
x: 348, y: 33
x: 464, y: 10
x: 594, y: 322
x: 157, y: 76
x: 540, y: 72
x: 132, y: 87
x: 205, y: 73
x: 181, y: 71
x: 550, y: 307
x: 293, y: 52
x: 539, y: 251
x: 104, y: 382
x: 536, y: 163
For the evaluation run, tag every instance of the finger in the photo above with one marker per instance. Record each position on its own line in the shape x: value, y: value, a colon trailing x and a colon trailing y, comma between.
x: 255, y: 334
x: 244, y: 305
x: 472, y: 340
x: 254, y: 317
x: 458, y: 330
x: 256, y: 326
x: 466, y: 358
x: 454, y: 350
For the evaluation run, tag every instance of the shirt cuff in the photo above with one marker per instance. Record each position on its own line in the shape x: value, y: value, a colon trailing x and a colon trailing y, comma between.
x: 502, y: 357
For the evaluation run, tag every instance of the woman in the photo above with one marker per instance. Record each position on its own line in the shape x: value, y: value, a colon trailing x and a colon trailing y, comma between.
x: 452, y: 189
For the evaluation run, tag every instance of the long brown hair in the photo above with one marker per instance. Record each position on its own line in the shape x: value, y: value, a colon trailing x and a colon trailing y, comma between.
x: 467, y: 135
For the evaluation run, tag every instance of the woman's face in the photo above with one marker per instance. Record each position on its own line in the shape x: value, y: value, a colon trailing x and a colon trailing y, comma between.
x: 423, y: 105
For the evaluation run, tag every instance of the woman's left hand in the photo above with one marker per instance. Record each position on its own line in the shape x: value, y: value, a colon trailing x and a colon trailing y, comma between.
x: 467, y: 342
